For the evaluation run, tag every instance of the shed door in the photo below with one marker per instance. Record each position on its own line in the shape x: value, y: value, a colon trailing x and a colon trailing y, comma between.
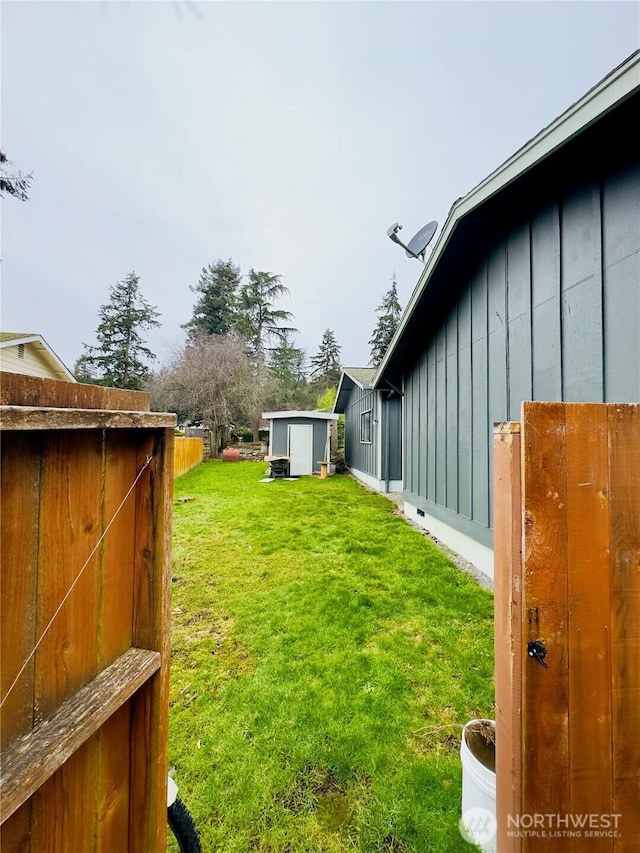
x: 300, y: 449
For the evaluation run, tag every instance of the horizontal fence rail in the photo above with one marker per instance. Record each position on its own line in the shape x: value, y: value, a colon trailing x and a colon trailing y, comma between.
x: 86, y: 479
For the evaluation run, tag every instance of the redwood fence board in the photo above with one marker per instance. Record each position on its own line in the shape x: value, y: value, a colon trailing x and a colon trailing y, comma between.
x: 16, y: 389
x: 589, y: 624
x: 70, y: 454
x: 545, y: 698
x: 579, y: 773
x: 624, y: 448
x: 508, y: 627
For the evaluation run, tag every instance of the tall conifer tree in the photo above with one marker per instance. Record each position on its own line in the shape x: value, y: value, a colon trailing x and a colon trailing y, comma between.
x: 325, y: 365
x: 121, y: 357
x: 389, y: 313
x: 216, y: 308
x: 257, y: 320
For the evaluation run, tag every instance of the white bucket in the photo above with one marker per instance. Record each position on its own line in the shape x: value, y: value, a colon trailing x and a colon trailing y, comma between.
x: 478, y: 823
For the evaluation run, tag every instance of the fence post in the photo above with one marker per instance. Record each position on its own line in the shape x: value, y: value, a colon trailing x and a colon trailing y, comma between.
x: 507, y: 628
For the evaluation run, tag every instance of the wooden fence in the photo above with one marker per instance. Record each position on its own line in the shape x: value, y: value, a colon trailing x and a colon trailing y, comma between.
x: 188, y: 453
x: 567, y: 574
x: 86, y: 524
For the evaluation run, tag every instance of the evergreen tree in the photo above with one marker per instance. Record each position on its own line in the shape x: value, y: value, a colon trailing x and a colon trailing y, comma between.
x: 325, y: 365
x: 389, y: 313
x: 287, y: 365
x: 120, y: 359
x: 83, y: 370
x: 14, y: 183
x: 287, y: 362
x: 257, y: 320
x: 216, y: 307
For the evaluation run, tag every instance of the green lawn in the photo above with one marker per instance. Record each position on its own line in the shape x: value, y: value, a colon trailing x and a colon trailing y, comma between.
x: 325, y: 655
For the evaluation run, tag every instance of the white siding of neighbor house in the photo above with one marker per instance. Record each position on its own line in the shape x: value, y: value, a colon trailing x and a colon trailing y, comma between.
x: 33, y: 363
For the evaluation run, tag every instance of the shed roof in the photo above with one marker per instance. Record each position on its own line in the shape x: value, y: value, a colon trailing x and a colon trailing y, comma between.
x: 468, y: 223
x: 325, y: 416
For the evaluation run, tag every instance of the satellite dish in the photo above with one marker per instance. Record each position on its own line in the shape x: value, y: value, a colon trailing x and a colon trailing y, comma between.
x: 418, y: 243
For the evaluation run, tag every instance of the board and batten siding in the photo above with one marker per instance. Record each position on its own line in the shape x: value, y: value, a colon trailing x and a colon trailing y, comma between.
x: 550, y: 312
x: 361, y: 455
x: 392, y: 438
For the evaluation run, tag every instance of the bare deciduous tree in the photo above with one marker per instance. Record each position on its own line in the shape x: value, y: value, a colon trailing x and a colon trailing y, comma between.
x: 211, y: 382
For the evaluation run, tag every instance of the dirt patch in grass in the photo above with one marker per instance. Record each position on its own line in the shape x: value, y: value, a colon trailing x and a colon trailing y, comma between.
x: 334, y: 811
x: 219, y: 629
x: 391, y: 844
x: 202, y: 624
x: 318, y: 790
x: 203, y: 633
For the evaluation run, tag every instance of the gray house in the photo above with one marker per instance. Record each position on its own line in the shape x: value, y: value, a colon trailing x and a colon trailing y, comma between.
x: 532, y: 292
x: 373, y: 429
x: 303, y: 437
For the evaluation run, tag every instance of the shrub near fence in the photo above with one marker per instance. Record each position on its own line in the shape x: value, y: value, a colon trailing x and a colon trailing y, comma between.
x: 188, y: 454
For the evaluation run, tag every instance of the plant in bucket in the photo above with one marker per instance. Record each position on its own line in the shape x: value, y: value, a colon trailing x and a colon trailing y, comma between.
x: 478, y: 755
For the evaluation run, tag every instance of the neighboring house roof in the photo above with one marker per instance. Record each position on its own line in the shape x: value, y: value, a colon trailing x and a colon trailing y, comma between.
x: 327, y: 416
x: 41, y: 349
x: 362, y: 376
x: 352, y: 376
x: 464, y: 230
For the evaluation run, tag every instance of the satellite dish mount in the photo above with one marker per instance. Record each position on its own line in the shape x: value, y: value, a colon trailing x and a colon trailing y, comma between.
x: 417, y: 245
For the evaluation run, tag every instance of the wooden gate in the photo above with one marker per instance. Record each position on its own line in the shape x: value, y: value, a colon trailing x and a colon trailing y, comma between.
x: 567, y: 576
x: 86, y: 510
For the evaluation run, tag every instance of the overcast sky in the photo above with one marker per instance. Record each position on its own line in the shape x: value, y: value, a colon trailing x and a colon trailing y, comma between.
x: 287, y: 136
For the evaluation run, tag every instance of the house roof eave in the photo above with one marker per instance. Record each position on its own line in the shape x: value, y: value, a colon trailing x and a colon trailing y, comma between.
x: 352, y: 376
x: 12, y: 339
x: 614, y: 89
x: 317, y: 415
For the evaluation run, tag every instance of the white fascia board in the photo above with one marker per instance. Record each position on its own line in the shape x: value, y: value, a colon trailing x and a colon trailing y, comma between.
x: 614, y: 89
x: 271, y: 416
x: 346, y: 373
x: 25, y: 339
x: 594, y: 105
x: 57, y: 365
x: 339, y: 389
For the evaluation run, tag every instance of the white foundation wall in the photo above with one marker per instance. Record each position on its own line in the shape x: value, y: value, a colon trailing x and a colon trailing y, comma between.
x: 474, y: 552
x: 374, y: 483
